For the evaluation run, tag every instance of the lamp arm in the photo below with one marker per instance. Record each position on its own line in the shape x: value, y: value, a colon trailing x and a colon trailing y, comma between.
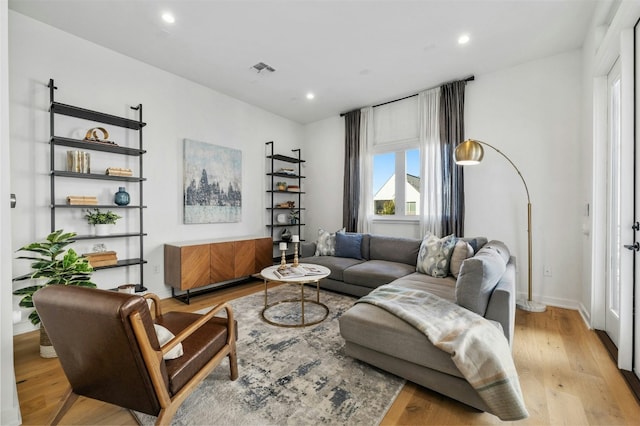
x: 526, y: 188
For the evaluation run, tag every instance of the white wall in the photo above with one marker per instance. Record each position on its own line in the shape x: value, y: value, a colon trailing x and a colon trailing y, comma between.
x: 531, y: 113
x: 90, y: 76
x: 324, y: 152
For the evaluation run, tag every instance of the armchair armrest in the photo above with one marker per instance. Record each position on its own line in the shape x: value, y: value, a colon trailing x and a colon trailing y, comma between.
x: 156, y: 304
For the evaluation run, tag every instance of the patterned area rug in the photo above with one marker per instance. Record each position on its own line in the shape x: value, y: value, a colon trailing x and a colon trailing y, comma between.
x: 290, y: 375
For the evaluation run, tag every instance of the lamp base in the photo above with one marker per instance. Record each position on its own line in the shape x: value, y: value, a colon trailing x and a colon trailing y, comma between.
x: 531, y: 306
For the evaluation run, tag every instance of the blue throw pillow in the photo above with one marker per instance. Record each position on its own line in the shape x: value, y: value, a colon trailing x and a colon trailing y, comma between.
x: 349, y: 245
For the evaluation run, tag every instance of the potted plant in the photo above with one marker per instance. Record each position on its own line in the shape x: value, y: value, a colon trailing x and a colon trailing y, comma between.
x: 282, y: 186
x: 101, y: 220
x: 294, y: 216
x: 51, y: 262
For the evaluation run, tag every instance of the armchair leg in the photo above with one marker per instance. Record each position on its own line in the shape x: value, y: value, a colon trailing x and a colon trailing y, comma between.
x: 233, y: 361
x: 67, y: 401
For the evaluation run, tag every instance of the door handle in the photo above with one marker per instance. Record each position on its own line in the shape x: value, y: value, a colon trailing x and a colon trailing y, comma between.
x: 13, y: 201
x: 635, y: 246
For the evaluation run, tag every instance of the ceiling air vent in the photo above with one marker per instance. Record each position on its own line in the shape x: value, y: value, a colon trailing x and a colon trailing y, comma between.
x: 260, y: 66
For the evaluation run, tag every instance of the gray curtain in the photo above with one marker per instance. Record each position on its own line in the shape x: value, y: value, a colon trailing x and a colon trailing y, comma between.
x: 351, y: 191
x: 452, y: 134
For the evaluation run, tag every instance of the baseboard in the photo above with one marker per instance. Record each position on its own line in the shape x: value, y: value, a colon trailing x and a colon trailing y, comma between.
x: 586, y: 315
x: 632, y: 380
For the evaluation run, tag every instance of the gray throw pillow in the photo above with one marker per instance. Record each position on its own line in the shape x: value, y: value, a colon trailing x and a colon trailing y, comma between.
x: 479, y: 275
x: 326, y: 244
x: 463, y: 250
x: 435, y: 254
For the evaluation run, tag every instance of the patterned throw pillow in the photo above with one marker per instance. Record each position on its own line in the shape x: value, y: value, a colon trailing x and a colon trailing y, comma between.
x: 435, y: 255
x: 326, y: 244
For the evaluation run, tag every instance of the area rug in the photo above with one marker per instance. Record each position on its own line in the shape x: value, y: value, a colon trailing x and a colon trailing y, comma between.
x: 290, y: 375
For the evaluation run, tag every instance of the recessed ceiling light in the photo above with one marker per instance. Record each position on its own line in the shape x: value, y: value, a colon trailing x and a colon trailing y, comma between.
x: 310, y: 96
x: 168, y: 18
x: 463, y: 39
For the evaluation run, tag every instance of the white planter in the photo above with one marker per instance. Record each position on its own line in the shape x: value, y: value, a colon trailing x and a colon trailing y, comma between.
x: 102, y: 229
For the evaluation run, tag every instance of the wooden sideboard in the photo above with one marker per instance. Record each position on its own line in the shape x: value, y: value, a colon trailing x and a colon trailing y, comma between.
x: 194, y: 264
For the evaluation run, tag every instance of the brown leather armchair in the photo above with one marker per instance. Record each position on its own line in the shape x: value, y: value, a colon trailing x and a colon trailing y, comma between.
x: 109, y: 350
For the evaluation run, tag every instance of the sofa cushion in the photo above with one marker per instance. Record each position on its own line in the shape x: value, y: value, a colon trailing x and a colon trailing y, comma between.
x: 326, y: 244
x: 479, y: 275
x: 373, y: 327
x: 349, y: 245
x: 441, y: 287
x: 463, y: 250
x: 337, y: 265
x: 394, y: 249
x: 435, y: 255
x: 375, y: 273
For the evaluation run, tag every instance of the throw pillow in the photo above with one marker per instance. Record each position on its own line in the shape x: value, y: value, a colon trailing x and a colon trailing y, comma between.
x: 349, y: 245
x: 435, y: 254
x: 462, y: 250
x: 479, y: 275
x: 164, y: 335
x: 326, y: 244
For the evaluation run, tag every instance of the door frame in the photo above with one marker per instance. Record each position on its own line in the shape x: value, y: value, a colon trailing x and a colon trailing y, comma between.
x: 623, y: 49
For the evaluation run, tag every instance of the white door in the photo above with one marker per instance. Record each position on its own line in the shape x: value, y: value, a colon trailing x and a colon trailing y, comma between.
x: 615, y: 225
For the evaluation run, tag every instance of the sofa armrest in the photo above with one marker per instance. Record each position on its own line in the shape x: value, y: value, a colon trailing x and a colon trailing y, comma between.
x: 307, y: 249
x: 502, y: 304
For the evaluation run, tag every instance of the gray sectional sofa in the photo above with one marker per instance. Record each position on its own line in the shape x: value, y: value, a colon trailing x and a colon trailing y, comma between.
x: 485, y: 283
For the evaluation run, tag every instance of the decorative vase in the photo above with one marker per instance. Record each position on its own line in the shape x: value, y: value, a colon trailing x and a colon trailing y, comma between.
x: 46, y: 348
x: 285, y: 235
x: 102, y: 229
x: 122, y: 197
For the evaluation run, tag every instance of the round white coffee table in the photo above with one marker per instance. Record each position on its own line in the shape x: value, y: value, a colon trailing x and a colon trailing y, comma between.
x: 314, y: 274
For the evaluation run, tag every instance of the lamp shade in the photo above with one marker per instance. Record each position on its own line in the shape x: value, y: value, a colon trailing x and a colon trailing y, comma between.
x: 468, y: 153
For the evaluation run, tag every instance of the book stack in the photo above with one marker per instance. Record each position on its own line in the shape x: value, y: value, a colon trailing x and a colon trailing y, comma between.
x: 102, y: 258
x: 293, y: 188
x: 119, y: 171
x: 82, y: 200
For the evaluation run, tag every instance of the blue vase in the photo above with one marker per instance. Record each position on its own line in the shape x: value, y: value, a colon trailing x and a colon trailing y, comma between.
x: 122, y: 197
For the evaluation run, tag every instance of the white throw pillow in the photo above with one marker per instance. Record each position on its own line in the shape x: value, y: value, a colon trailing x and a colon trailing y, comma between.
x: 164, y: 335
x: 326, y: 244
x: 435, y: 254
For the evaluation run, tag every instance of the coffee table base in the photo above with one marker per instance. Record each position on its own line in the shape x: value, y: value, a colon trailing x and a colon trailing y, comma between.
x: 303, y: 323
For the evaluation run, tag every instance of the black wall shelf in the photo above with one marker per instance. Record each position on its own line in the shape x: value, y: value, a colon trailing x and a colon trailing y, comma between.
x: 295, y: 176
x: 57, y: 108
x: 87, y: 114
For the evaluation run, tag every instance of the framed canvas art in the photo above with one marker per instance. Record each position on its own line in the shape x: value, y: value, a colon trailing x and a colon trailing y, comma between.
x: 212, y: 183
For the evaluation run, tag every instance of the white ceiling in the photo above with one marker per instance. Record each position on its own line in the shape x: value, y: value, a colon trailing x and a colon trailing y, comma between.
x: 349, y: 53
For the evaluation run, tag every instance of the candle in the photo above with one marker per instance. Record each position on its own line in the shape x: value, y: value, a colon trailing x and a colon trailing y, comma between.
x: 283, y: 246
x: 295, y: 239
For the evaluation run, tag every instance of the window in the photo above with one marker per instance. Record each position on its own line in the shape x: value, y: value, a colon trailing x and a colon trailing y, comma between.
x: 396, y: 197
x: 395, y: 153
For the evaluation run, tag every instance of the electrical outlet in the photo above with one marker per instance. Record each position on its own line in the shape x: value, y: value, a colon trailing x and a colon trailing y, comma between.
x: 547, y: 271
x: 156, y: 269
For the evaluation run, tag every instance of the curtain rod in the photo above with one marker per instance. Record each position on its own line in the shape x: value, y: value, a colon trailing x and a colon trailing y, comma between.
x: 410, y: 96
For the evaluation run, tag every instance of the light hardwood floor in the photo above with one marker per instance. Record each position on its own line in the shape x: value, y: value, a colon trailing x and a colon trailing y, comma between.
x: 566, y: 375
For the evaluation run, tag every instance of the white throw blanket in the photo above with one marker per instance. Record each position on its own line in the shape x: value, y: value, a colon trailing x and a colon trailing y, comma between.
x: 477, y: 347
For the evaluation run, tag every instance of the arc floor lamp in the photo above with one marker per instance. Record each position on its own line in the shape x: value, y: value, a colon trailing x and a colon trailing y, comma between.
x: 471, y: 152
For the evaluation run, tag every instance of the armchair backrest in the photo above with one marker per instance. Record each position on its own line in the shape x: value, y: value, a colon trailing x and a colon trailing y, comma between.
x: 93, y: 337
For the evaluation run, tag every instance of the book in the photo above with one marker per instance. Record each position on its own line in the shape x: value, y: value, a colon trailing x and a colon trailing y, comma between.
x: 297, y: 272
x: 82, y: 200
x: 311, y: 270
x: 106, y: 262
